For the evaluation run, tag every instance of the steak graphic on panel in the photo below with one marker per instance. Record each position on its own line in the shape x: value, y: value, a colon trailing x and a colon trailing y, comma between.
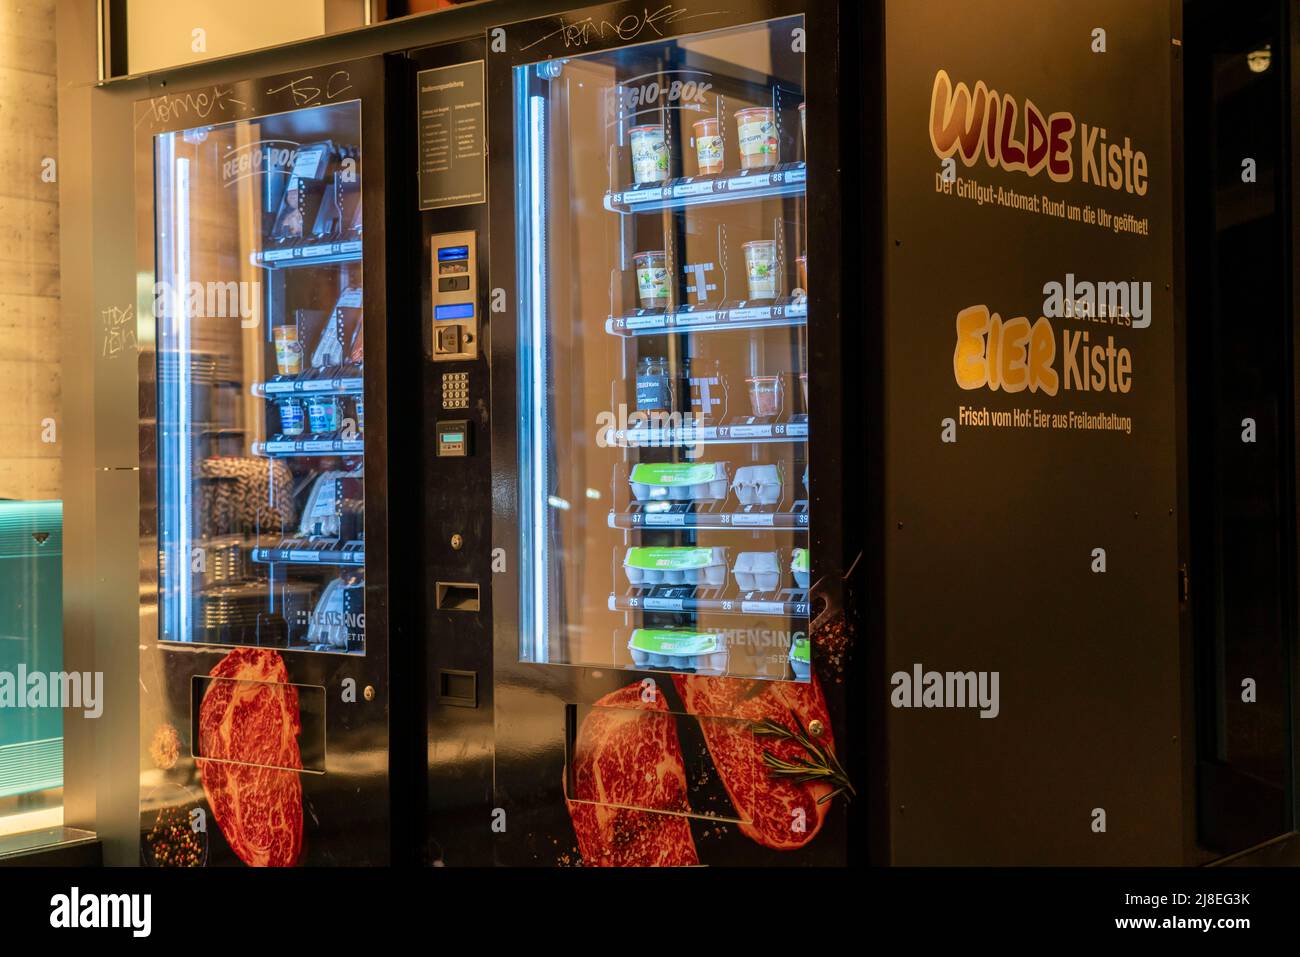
x: 248, y: 728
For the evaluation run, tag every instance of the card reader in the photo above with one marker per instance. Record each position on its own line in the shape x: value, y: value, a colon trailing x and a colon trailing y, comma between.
x: 454, y: 308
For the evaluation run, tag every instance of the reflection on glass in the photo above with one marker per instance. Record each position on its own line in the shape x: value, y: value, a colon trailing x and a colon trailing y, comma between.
x: 664, y: 435
x: 261, y: 419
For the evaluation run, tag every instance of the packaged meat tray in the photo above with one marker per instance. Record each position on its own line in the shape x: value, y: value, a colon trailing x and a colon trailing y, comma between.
x: 757, y: 485
x: 678, y: 650
x: 799, y: 566
x: 679, y: 481
x: 646, y: 565
x: 757, y: 571
x: 801, y: 657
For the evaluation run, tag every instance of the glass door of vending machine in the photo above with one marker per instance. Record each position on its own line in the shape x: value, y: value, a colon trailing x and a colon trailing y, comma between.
x: 264, y: 693
x: 657, y: 434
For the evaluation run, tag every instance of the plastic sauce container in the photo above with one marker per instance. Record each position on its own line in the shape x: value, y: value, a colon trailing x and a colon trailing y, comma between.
x: 801, y: 266
x: 756, y: 130
x: 652, y: 278
x: 292, y: 420
x: 760, y: 268
x: 765, y: 394
x: 288, y: 351
x: 708, y: 145
x: 649, y: 153
x: 323, y: 414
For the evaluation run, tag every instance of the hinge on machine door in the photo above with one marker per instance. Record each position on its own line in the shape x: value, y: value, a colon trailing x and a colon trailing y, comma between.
x: 1184, y: 584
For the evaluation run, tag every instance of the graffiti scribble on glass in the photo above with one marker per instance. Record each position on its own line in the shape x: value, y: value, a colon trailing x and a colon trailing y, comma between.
x: 579, y: 33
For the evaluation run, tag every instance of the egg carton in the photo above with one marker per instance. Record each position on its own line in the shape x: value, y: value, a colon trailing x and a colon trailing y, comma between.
x: 679, y: 481
x: 800, y: 566
x: 645, y: 565
x: 801, y: 657
x: 757, y: 571
x: 757, y: 484
x: 678, y: 650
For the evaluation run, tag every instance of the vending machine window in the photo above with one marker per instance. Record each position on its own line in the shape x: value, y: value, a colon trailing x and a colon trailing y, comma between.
x: 663, y: 355
x: 260, y: 353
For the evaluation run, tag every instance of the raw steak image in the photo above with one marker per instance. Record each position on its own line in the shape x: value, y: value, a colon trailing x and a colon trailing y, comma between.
x: 253, y: 719
x: 767, y: 805
x: 627, y: 753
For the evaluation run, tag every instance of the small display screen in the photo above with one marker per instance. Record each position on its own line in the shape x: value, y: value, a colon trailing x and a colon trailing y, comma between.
x: 459, y: 310
x: 453, y: 436
x: 453, y: 252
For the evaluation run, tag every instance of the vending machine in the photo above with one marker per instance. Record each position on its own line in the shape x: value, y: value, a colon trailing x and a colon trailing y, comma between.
x: 674, y: 464
x: 264, y: 666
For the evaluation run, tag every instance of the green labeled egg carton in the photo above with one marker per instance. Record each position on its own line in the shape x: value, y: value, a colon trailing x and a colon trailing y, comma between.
x: 799, y: 566
x: 679, y: 481
x: 678, y: 650
x: 801, y: 657
x: 685, y: 565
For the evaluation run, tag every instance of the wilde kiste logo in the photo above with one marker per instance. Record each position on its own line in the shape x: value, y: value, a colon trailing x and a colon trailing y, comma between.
x: 1020, y: 138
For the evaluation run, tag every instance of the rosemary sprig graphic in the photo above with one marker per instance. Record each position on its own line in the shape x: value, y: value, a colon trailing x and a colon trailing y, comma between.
x: 820, y: 765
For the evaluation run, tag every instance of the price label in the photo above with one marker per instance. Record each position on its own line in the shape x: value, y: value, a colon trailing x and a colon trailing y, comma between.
x: 693, y: 189
x: 664, y: 519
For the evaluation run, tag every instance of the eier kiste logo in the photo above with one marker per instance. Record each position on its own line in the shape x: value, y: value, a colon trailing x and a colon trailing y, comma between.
x: 1020, y: 138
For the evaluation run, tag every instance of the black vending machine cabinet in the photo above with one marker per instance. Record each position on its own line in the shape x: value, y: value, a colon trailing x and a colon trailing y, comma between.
x: 264, y: 665
x: 663, y: 536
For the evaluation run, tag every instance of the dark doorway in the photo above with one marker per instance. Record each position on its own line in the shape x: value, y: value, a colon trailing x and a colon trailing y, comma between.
x: 1240, y: 421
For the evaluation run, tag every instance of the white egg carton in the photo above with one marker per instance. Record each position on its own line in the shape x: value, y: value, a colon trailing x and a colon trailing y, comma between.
x: 800, y: 566
x: 682, y: 565
x: 679, y: 481
x: 757, y: 571
x: 757, y: 484
x: 678, y: 650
